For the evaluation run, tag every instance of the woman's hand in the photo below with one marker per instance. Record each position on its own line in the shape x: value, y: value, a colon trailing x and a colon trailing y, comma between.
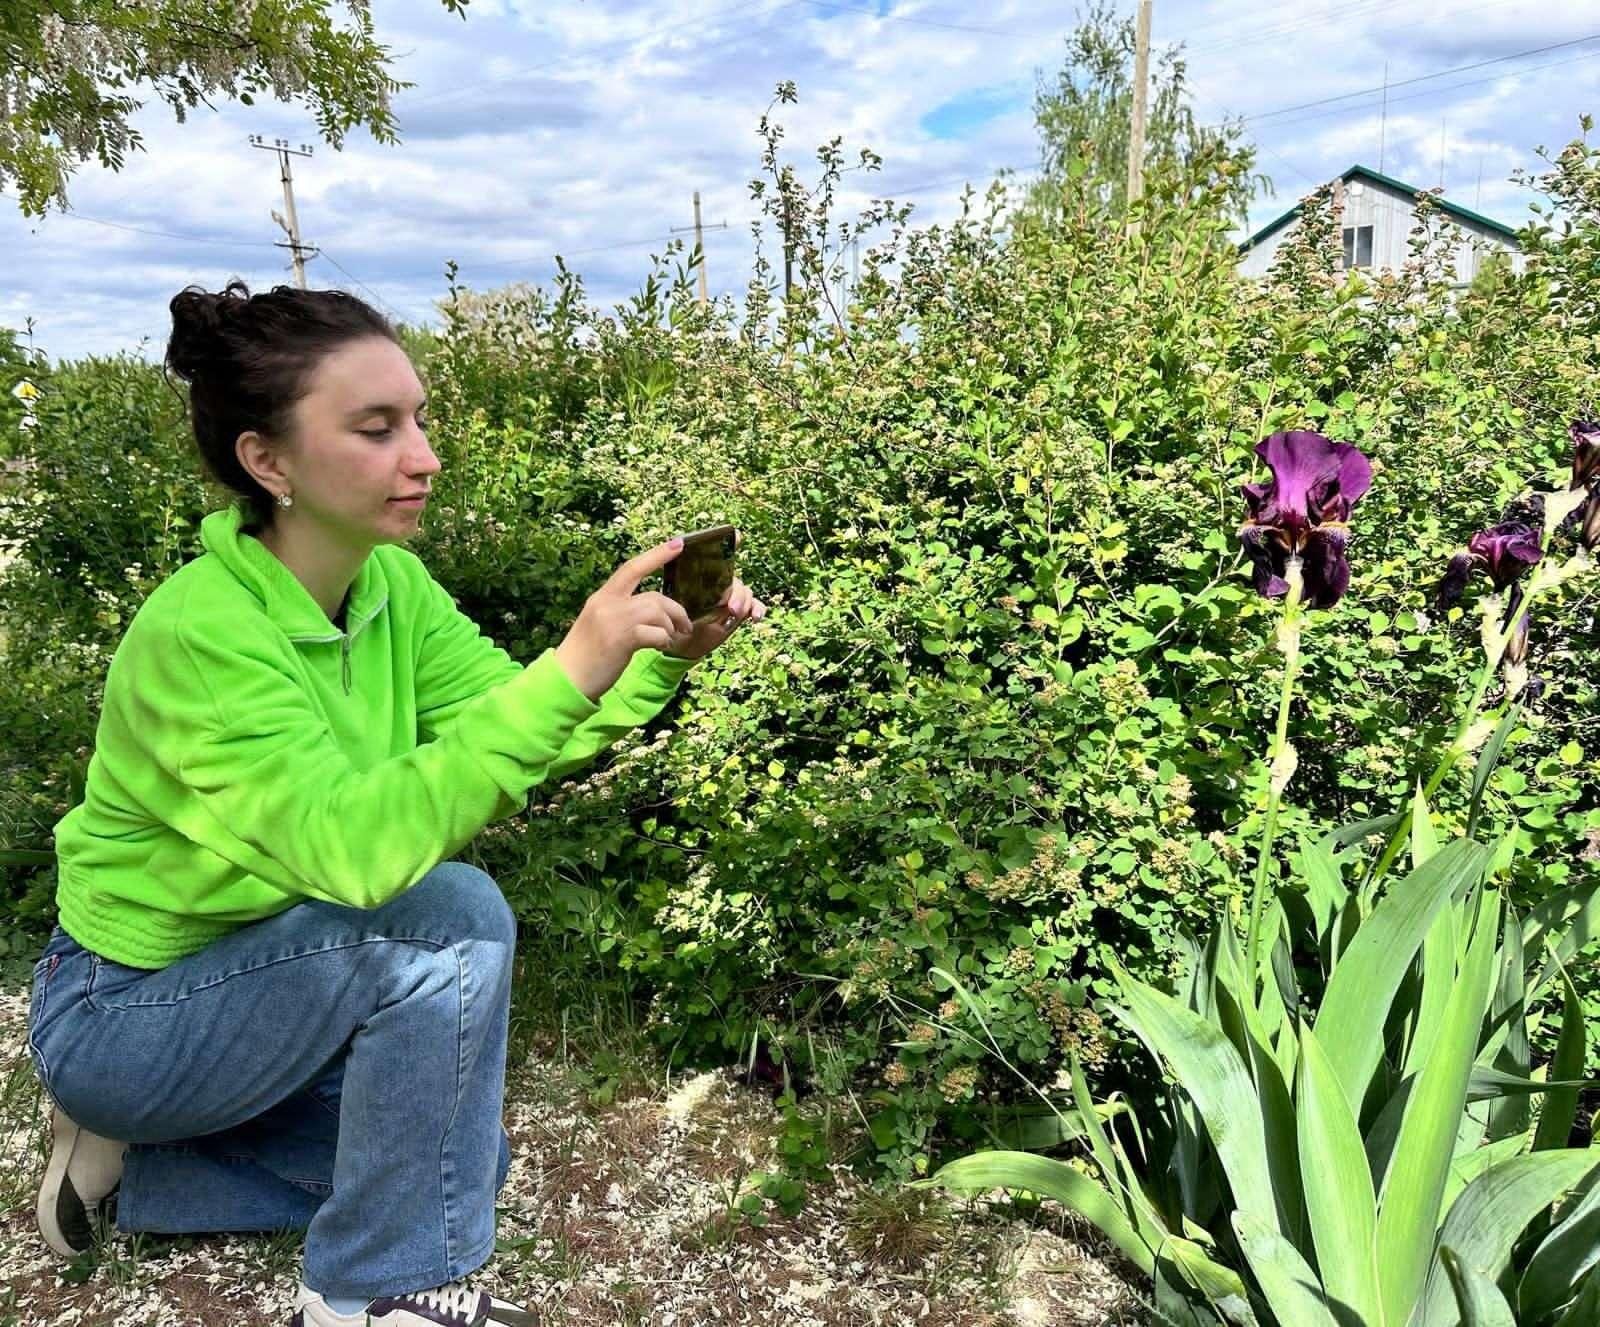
x: 738, y: 606
x: 616, y: 622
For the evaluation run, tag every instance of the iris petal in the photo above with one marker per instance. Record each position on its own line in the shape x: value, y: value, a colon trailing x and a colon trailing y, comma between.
x: 1302, y: 510
x: 1507, y: 550
x: 1327, y: 572
x: 1454, y: 584
x: 1270, y: 558
x: 1585, y: 451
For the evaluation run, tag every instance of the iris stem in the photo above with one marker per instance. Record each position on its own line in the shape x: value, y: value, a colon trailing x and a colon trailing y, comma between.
x: 1289, y: 637
x: 1454, y: 751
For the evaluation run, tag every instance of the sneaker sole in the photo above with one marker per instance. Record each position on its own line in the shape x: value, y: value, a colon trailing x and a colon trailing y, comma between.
x: 63, y: 1219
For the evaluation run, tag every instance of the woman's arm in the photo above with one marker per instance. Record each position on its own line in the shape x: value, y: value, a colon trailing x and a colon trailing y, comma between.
x: 459, y: 662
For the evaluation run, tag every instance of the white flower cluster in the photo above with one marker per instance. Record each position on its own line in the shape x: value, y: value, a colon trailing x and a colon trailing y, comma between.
x: 698, y: 910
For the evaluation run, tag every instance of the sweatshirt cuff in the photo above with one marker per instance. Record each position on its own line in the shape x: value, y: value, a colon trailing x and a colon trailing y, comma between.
x: 668, y: 667
x: 556, y: 699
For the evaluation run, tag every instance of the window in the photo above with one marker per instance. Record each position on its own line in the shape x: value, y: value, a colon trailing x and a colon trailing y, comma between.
x: 1357, y: 246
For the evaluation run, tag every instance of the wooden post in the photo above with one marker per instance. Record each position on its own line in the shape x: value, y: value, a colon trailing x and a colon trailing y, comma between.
x: 1141, y: 92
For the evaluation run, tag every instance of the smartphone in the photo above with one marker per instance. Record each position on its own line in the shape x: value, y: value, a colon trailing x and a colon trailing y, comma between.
x: 702, y: 573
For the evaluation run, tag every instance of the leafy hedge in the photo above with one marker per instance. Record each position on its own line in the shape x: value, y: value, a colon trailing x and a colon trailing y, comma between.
x: 1008, y: 714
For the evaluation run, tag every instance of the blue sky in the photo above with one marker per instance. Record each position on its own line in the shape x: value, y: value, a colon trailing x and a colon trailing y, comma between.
x: 583, y: 127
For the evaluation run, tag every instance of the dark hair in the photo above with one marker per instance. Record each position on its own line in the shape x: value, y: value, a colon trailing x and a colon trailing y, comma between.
x: 248, y: 359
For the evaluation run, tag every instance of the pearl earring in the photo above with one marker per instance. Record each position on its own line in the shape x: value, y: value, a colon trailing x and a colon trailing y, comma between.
x: 284, y: 500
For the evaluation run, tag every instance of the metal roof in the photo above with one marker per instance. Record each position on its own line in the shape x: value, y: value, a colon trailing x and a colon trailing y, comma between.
x: 1366, y: 173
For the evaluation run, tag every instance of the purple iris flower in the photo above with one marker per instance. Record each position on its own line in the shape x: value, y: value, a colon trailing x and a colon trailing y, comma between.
x: 1503, y: 551
x: 1585, y: 451
x: 1301, y: 512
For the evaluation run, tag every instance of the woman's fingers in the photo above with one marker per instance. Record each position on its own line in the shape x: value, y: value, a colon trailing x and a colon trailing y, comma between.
x: 652, y: 637
x: 662, y: 609
x: 625, y: 579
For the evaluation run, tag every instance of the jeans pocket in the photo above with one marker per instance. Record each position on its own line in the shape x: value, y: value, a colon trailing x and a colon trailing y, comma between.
x: 114, y: 986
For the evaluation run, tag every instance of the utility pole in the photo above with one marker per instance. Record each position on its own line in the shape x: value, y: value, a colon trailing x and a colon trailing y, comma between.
x: 700, y: 245
x: 298, y: 251
x: 1141, y: 90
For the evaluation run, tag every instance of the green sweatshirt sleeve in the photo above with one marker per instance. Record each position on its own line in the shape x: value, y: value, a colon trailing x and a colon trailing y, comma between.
x: 266, y: 785
x: 459, y: 663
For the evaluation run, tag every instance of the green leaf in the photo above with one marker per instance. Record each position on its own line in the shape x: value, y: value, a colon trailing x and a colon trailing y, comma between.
x: 1408, y: 1207
x: 1340, y: 1201
x: 1424, y: 842
x: 1488, y: 758
x: 1355, y: 1005
x: 1561, y: 1102
x: 1585, y: 1310
x: 1290, y: 1287
x: 1563, y: 923
x: 1439, y: 950
x: 1040, y: 1131
x: 1509, y: 1011
x: 1491, y: 1214
x: 1489, y: 1084
x: 1054, y: 1179
x: 1471, y: 1159
x: 1210, y: 1070
x: 1560, y: 1264
x: 1477, y: 1300
x: 1325, y: 887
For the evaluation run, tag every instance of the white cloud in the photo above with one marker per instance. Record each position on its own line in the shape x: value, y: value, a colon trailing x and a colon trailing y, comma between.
x: 582, y: 125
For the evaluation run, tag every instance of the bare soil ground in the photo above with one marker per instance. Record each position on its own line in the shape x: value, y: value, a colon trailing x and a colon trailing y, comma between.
x: 622, y: 1213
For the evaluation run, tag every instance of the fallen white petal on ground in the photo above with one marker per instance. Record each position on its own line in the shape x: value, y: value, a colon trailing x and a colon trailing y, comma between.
x: 613, y: 1214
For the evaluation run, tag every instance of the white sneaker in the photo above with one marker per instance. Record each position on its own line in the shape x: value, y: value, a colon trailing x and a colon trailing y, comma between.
x: 79, y: 1189
x: 452, y: 1305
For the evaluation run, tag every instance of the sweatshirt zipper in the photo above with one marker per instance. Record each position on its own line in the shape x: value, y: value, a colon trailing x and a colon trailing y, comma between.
x: 345, y: 639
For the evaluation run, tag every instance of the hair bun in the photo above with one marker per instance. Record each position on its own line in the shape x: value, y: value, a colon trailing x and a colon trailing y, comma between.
x: 200, y: 321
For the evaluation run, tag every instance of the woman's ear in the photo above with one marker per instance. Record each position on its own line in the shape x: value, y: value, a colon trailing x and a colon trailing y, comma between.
x: 260, y: 460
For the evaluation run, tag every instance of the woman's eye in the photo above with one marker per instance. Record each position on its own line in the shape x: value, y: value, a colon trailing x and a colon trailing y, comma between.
x: 373, y: 433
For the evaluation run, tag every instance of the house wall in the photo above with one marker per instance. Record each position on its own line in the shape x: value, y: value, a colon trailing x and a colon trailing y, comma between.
x: 1390, y: 213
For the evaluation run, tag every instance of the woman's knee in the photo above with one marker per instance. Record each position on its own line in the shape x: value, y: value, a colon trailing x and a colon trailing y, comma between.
x: 468, y: 902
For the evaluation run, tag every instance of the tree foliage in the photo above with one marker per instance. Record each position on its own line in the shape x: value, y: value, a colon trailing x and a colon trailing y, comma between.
x: 1083, y: 119
x: 74, y: 72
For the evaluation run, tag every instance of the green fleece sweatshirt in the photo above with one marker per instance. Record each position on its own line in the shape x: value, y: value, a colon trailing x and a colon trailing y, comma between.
x: 251, y: 755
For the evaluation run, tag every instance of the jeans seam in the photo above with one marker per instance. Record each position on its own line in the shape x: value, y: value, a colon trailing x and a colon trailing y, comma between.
x: 40, y: 1062
x: 455, y: 1105
x: 107, y: 1007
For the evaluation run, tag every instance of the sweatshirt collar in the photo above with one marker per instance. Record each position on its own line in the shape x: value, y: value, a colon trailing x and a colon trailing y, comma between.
x: 287, y: 602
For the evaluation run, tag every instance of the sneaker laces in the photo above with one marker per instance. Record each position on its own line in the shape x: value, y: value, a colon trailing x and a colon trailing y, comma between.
x: 455, y: 1297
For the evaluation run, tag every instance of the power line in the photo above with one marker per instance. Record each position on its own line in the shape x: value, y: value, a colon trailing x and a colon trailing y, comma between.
x: 1456, y: 87
x: 1251, y: 19
x: 1301, y: 23
x: 323, y: 252
x: 1420, y: 78
x: 161, y: 234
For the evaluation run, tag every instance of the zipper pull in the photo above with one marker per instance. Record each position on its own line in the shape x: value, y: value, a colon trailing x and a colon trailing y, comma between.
x: 344, y: 651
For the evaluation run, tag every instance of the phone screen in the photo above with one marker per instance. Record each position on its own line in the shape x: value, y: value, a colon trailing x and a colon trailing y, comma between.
x: 703, y: 572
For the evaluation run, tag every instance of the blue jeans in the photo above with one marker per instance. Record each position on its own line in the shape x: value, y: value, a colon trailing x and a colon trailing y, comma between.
x: 329, y: 1069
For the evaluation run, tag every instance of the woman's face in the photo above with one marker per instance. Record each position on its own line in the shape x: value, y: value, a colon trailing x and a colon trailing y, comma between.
x: 359, y: 449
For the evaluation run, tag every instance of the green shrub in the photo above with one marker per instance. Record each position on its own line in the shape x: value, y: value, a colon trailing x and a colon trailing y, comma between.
x: 1005, y: 716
